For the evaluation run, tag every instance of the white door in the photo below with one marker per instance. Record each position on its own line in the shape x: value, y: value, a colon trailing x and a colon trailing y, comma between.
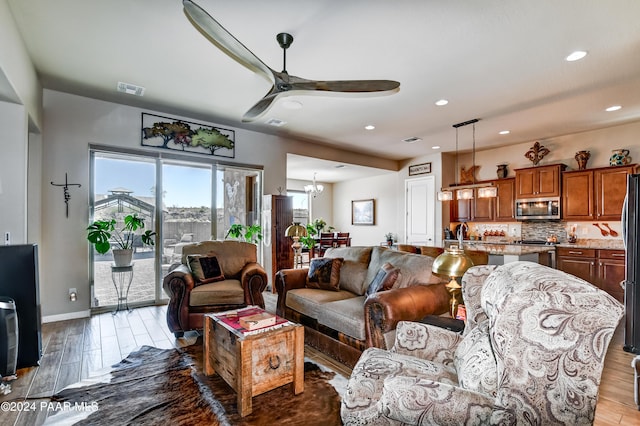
x: 420, y: 211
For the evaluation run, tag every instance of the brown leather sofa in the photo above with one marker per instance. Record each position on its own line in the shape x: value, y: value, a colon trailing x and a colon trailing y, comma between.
x: 343, y: 323
x: 243, y: 284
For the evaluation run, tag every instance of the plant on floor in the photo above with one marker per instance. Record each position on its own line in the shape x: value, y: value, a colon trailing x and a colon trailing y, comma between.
x: 248, y: 233
x: 102, y: 233
x: 309, y: 240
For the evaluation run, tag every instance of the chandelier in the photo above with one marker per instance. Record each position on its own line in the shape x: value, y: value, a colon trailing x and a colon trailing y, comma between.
x: 313, y: 189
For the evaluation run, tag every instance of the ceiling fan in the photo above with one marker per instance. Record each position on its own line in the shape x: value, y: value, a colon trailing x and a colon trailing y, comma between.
x: 282, y: 82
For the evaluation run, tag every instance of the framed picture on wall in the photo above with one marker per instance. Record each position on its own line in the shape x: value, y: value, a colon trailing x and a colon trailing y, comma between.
x: 363, y: 212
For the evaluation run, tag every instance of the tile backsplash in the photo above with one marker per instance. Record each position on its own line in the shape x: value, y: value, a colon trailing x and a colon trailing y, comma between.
x: 540, y: 230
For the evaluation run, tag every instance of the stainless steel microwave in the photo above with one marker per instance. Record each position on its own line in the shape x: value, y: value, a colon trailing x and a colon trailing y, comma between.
x: 538, y: 209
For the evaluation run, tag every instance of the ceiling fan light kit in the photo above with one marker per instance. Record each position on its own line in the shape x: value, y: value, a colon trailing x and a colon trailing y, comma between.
x: 281, y: 82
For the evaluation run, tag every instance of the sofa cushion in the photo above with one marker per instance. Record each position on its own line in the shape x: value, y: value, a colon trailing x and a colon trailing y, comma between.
x: 353, y: 273
x: 310, y: 301
x: 384, y: 279
x: 370, y: 376
x: 352, y: 276
x: 218, y: 293
x: 205, y: 269
x: 475, y: 362
x: 346, y: 316
x: 324, y: 273
x: 232, y: 255
x: 415, y: 268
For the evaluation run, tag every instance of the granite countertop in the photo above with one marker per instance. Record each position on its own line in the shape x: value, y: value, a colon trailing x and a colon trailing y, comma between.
x: 611, y: 244
x: 608, y: 243
x: 508, y: 249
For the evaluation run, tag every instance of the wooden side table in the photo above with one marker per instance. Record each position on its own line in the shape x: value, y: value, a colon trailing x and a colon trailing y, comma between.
x: 253, y: 364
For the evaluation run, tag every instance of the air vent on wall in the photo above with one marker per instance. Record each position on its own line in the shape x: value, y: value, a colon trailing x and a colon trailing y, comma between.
x: 275, y: 122
x: 130, y: 89
x: 411, y: 139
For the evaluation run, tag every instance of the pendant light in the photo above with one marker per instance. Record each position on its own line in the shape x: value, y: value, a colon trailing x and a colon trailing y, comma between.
x: 465, y: 192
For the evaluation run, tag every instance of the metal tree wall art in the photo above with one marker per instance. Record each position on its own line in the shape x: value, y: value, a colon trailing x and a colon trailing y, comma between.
x: 186, y: 136
x: 536, y: 153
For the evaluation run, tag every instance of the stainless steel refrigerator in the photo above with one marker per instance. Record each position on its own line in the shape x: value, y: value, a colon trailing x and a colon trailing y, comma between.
x: 630, y: 225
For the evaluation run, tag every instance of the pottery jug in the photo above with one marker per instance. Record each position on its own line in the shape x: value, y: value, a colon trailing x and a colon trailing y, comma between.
x: 502, y: 171
x: 619, y: 157
x: 582, y: 157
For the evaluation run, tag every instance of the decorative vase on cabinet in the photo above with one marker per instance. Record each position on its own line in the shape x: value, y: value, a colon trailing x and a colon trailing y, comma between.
x: 619, y: 157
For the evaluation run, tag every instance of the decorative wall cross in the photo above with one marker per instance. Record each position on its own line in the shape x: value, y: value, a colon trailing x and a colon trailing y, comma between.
x: 65, y: 188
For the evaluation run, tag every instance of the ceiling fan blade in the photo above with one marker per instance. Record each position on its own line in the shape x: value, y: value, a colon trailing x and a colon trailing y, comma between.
x: 217, y: 34
x: 345, y: 86
x: 260, y: 107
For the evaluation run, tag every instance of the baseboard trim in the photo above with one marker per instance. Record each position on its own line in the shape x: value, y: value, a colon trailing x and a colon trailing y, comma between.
x: 69, y: 316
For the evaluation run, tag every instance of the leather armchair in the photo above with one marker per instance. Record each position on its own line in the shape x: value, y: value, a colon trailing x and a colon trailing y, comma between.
x: 244, y: 282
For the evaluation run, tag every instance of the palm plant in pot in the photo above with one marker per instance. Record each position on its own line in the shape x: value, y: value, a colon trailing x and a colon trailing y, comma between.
x: 103, y: 233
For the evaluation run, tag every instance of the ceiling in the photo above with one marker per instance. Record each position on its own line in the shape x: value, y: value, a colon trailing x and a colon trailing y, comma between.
x: 500, y: 61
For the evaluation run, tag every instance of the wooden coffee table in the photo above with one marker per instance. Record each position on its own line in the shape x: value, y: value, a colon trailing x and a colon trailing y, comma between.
x: 255, y: 362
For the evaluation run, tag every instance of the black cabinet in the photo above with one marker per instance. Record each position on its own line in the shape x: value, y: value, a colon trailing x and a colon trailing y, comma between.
x: 19, y: 281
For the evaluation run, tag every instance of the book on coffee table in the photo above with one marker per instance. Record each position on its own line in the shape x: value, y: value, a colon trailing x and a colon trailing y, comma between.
x: 252, y: 322
x: 235, y: 320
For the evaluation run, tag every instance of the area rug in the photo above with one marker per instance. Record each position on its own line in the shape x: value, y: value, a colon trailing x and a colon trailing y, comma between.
x: 166, y: 386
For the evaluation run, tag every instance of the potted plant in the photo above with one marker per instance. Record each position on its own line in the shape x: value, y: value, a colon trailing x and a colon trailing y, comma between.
x: 248, y: 233
x: 102, y: 233
x: 389, y: 237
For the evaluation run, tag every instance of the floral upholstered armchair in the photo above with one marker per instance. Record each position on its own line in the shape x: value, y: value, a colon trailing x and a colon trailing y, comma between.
x: 532, y: 353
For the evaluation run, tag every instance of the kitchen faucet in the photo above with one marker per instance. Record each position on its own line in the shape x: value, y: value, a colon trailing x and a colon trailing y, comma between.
x: 463, y: 226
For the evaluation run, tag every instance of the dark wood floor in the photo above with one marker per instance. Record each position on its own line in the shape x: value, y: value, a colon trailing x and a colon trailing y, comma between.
x: 74, y: 349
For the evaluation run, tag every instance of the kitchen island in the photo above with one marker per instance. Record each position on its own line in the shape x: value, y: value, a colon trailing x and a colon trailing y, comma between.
x: 499, y: 254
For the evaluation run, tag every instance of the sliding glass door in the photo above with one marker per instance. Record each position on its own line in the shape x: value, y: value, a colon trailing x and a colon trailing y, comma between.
x: 196, y: 201
x: 124, y: 185
x: 186, y: 208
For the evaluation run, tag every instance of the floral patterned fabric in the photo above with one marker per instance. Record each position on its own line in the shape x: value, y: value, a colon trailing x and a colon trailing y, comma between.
x: 532, y: 353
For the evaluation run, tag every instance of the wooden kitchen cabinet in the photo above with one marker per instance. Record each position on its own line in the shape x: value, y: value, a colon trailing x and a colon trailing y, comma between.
x: 505, y: 202
x: 603, y: 268
x: 595, y: 194
x: 577, y: 195
x: 536, y: 182
x: 611, y: 188
x: 611, y: 271
x: 500, y: 208
x: 578, y: 262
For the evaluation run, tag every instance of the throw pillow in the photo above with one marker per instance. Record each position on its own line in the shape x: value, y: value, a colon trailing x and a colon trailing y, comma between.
x: 384, y: 279
x: 324, y: 273
x: 205, y: 269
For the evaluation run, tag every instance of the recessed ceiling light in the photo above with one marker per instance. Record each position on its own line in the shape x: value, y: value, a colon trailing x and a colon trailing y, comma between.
x: 369, y: 127
x: 613, y: 108
x: 576, y: 56
x: 412, y: 139
x: 442, y: 102
x: 435, y: 147
x: 504, y: 132
x: 291, y: 104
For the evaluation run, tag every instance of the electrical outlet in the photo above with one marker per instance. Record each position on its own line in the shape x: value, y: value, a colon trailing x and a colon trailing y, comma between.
x: 7, y: 238
x: 73, y: 294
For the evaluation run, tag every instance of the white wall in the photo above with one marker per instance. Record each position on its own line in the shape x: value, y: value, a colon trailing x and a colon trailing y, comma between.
x: 563, y: 149
x: 13, y: 172
x: 384, y: 190
x: 17, y: 67
x: 71, y: 123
